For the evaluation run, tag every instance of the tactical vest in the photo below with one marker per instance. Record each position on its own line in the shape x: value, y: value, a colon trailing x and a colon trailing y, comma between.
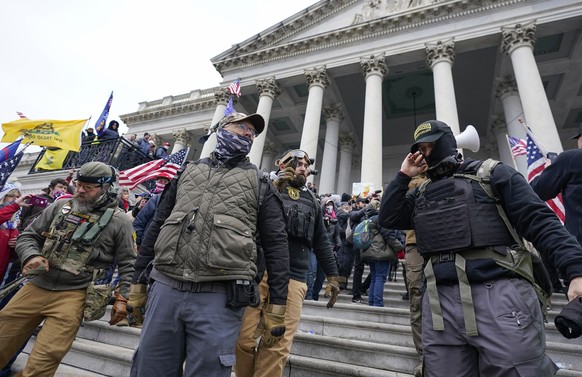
x: 455, y: 214
x: 300, y: 207
x: 209, y: 236
x: 71, y: 238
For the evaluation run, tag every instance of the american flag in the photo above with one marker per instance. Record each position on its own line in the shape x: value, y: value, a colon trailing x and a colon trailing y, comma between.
x: 22, y: 116
x: 234, y: 87
x: 150, y: 170
x: 518, y: 146
x: 8, y: 166
x: 536, y: 163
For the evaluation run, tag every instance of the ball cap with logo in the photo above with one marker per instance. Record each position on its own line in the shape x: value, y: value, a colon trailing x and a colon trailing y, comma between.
x: 428, y: 132
x: 255, y: 119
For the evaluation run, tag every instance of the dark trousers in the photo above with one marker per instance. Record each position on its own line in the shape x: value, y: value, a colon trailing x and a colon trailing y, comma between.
x: 346, y: 261
x: 358, y: 272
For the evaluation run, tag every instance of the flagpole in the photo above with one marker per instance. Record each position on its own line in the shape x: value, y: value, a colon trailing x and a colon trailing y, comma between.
x: 535, y: 140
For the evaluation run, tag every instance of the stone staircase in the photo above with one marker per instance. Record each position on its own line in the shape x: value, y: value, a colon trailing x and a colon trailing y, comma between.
x: 349, y: 340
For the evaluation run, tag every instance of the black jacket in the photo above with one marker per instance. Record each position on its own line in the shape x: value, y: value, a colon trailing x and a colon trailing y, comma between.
x: 564, y: 176
x: 530, y: 216
x: 270, y: 225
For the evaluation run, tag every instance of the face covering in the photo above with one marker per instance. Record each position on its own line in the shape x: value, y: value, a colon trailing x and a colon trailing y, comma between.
x: 229, y: 144
x: 329, y: 209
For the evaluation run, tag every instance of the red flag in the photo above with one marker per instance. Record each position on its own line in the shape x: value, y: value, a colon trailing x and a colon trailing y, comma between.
x: 150, y: 170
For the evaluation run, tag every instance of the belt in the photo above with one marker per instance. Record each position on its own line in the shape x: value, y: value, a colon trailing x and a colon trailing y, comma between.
x: 189, y: 286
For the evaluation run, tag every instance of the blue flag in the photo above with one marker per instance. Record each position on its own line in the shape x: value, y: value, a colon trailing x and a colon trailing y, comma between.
x: 100, y: 124
x: 9, y: 151
x: 229, y: 108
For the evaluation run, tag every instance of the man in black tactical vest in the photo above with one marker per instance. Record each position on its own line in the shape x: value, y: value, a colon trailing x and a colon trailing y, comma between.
x: 481, y: 315
x: 68, y: 246
x: 306, y: 231
x: 202, y: 241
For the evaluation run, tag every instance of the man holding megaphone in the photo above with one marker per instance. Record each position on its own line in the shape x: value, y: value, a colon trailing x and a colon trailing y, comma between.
x: 480, y: 311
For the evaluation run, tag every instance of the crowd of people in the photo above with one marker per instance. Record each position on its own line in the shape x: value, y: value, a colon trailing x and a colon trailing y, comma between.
x: 215, y: 269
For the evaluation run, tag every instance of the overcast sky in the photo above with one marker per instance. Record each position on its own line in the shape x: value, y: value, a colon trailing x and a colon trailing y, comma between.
x: 60, y: 59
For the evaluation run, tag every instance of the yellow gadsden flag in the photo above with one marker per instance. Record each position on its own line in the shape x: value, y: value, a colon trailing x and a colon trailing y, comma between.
x: 52, y: 159
x: 64, y: 134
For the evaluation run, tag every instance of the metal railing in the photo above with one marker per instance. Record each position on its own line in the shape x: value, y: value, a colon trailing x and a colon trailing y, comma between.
x: 119, y: 153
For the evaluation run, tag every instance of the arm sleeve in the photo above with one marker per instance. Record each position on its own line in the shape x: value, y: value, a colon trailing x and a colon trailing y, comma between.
x: 7, y: 211
x: 144, y: 217
x: 535, y: 221
x: 125, y: 253
x: 397, y: 206
x: 554, y: 177
x: 146, y: 251
x: 30, y: 241
x: 322, y: 246
x: 273, y: 238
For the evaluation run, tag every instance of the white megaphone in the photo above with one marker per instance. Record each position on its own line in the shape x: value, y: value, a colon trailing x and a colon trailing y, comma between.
x: 468, y: 139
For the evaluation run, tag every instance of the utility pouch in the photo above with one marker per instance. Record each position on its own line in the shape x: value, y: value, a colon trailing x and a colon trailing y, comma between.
x: 241, y: 293
x: 96, y: 300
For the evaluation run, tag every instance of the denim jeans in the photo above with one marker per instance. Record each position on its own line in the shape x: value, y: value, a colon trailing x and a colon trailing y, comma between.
x: 379, y: 271
x: 311, y: 274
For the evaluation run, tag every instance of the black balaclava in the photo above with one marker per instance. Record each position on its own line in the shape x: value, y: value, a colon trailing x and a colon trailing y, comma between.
x: 443, y: 159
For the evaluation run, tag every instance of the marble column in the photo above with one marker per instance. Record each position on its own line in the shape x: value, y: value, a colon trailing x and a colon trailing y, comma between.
x: 268, y: 91
x: 344, y: 182
x: 317, y: 81
x: 222, y: 97
x: 374, y: 70
x: 440, y: 57
x: 181, y: 140
x: 517, y: 43
x: 506, y: 91
x: 333, y: 116
x: 499, y: 129
x: 269, y: 155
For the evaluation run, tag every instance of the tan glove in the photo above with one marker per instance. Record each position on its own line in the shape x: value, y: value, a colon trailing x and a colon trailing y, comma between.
x: 272, y: 325
x: 284, y: 177
x: 333, y: 283
x: 138, y: 297
x: 119, y: 310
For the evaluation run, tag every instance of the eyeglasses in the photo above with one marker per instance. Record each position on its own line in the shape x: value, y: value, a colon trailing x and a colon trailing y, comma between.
x: 85, y: 186
x: 245, y: 128
x: 295, y: 153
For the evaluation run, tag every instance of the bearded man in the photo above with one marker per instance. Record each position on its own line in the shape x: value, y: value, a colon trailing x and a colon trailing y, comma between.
x: 71, y: 242
x: 306, y: 231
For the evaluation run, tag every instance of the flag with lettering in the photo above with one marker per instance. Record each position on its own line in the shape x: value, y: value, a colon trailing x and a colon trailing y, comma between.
x: 8, y: 166
x: 64, y: 134
x: 234, y: 88
x: 150, y: 170
x: 536, y: 163
x: 518, y: 146
x: 100, y: 124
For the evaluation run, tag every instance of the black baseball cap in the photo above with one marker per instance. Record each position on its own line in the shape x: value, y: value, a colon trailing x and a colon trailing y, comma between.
x: 579, y: 132
x: 428, y: 132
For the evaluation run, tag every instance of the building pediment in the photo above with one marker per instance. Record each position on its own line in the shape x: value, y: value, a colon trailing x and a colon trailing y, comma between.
x: 331, y: 23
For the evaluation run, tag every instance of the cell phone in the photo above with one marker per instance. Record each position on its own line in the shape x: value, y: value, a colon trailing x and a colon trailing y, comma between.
x: 38, y: 201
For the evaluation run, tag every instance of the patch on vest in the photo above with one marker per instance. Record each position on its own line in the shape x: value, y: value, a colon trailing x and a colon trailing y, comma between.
x: 294, y: 193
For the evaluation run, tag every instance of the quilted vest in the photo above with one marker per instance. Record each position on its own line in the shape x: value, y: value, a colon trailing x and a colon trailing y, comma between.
x: 209, y: 236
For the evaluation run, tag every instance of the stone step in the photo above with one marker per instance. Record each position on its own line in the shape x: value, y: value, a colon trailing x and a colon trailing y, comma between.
x: 96, y: 357
x: 366, y: 354
x: 300, y: 366
x: 63, y: 370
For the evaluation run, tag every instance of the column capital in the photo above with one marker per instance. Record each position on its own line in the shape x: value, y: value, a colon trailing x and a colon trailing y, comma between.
x: 516, y: 36
x: 505, y: 87
x: 317, y: 77
x: 374, y: 65
x: 498, y: 125
x: 346, y: 141
x: 334, y: 112
x: 270, y: 148
x: 221, y: 97
x: 268, y: 87
x: 440, y: 51
x: 182, y: 136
